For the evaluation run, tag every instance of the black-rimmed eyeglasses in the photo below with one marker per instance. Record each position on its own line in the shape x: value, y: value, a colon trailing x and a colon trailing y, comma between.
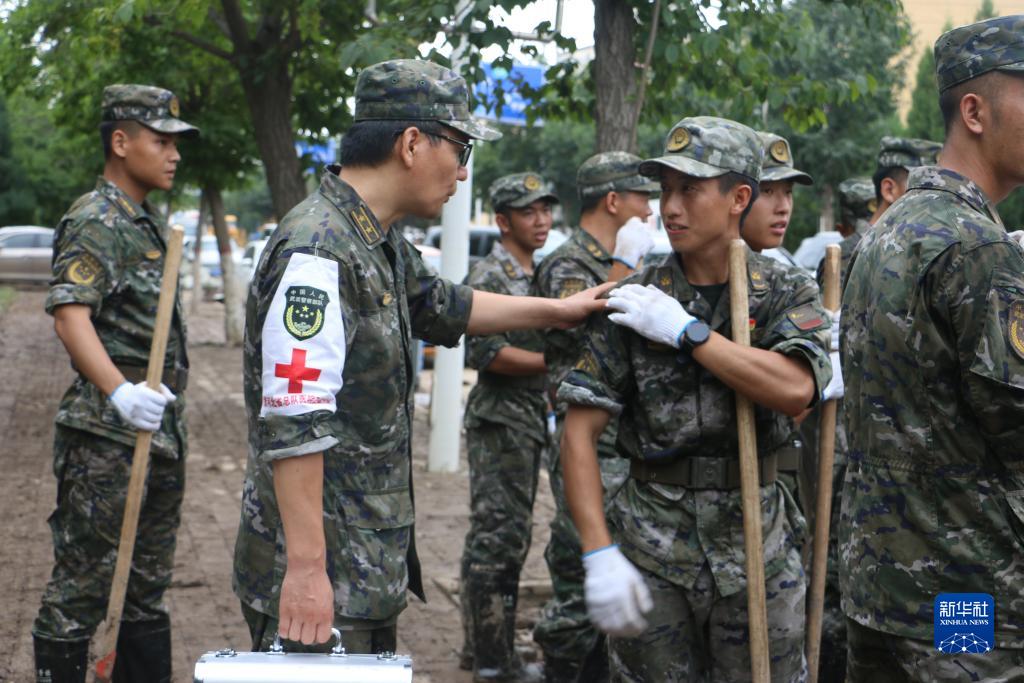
x: 464, y: 152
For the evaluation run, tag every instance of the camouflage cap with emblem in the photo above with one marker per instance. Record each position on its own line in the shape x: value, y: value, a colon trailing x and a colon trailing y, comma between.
x: 612, y: 172
x: 778, y: 160
x: 969, y: 51
x: 519, y: 190
x: 153, y: 107
x: 907, y: 153
x: 856, y: 200
x: 708, y: 147
x: 417, y: 90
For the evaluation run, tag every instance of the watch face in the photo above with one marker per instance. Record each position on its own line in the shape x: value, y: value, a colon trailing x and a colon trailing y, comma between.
x: 697, y: 333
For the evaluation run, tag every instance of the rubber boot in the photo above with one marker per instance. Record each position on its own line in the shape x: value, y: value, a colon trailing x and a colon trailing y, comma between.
x: 561, y: 670
x: 144, y: 652
x: 61, y: 661
x: 466, y: 656
x: 488, y: 603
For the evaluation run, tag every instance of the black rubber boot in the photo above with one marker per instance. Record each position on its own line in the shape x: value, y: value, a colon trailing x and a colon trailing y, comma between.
x: 143, y: 652
x: 61, y: 661
x: 594, y: 668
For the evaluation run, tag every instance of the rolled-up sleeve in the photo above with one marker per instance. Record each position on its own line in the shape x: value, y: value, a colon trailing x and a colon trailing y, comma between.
x: 600, y: 376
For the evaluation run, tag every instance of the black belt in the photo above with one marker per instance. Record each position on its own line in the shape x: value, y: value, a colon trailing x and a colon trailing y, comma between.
x: 531, y: 382
x: 175, y: 379
x: 696, y: 472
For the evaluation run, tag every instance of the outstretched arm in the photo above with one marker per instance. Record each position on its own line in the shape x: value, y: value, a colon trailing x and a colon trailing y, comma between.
x: 493, y: 313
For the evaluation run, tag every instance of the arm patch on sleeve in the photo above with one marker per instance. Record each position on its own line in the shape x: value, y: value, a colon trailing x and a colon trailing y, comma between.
x: 805, y: 318
x: 303, y: 339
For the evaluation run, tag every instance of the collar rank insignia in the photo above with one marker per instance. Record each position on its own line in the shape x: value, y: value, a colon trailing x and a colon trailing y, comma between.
x: 364, y: 224
x: 304, y: 311
x: 1017, y: 327
x: 594, y: 250
x: 510, y: 270
x: 757, y: 282
x: 127, y: 208
x: 665, y: 282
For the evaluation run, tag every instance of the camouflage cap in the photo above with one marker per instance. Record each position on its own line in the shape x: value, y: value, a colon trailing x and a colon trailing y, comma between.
x: 520, y: 189
x: 154, y: 108
x: 856, y: 200
x: 907, y: 152
x: 969, y: 51
x: 417, y: 90
x: 778, y: 160
x: 708, y: 147
x: 612, y: 172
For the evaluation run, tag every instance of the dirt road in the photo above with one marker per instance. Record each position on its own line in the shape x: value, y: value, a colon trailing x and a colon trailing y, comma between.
x: 34, y: 373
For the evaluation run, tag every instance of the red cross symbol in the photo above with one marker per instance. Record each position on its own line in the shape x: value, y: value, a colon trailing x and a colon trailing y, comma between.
x: 297, y: 372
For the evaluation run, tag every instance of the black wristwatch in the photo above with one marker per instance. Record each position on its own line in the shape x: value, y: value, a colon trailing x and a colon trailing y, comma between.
x: 696, y: 333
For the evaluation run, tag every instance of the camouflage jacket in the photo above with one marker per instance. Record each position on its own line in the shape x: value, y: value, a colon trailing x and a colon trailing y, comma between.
x: 108, y: 254
x: 515, y: 401
x: 667, y: 399
x: 332, y: 311
x: 933, y: 357
x: 577, y: 264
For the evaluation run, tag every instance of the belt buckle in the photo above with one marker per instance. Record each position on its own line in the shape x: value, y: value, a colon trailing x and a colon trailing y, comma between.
x: 709, y: 473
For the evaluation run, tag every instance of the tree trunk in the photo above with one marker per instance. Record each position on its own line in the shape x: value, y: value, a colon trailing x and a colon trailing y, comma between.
x: 269, y: 96
x: 234, y: 316
x: 826, y: 217
x: 615, y: 76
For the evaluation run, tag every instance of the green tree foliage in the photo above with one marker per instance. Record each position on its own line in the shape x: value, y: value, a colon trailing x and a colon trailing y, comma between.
x: 16, y: 197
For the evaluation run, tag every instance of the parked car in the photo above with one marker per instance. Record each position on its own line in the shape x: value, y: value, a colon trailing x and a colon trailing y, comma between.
x: 251, y: 257
x: 211, y: 277
x: 26, y: 252
x: 481, y: 240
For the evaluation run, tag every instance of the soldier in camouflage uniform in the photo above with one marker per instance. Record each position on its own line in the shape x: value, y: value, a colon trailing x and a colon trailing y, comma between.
x: 933, y: 309
x: 108, y: 264
x: 326, y: 532
x: 671, y: 378
x: 765, y: 228
x: 611, y: 241
x: 506, y: 434
x: 861, y: 203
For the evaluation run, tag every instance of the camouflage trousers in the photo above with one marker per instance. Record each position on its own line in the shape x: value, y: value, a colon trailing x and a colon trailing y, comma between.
x: 699, y: 635
x: 564, y: 632
x: 359, y: 636
x: 92, y: 483
x: 503, y: 468
x: 878, y: 657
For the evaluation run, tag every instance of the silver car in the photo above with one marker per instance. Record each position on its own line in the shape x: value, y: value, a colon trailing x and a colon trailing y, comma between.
x: 25, y: 253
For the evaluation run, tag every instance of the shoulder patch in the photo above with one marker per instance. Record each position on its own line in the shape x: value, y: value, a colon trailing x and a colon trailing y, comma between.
x: 587, y: 363
x: 84, y: 269
x: 1016, y: 328
x: 364, y: 224
x: 805, y: 317
x: 304, y: 311
x: 571, y: 286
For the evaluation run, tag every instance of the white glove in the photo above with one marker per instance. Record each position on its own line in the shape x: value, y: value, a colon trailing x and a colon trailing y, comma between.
x: 650, y: 312
x: 1017, y: 236
x: 835, y: 388
x: 633, y: 241
x: 835, y: 330
x: 616, y: 595
x: 140, y: 406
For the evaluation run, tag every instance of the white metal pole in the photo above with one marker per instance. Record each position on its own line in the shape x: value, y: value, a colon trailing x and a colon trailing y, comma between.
x: 446, y: 392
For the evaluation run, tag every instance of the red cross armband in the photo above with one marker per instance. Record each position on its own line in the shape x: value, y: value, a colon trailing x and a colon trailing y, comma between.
x: 303, y: 339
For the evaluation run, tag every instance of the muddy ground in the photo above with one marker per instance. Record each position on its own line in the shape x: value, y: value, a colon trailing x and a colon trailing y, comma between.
x: 34, y: 373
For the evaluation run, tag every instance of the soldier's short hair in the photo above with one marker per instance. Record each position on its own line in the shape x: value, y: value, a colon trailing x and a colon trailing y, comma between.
x: 730, y: 180
x: 370, y: 143
x: 986, y: 85
x: 107, y: 128
x: 897, y: 173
